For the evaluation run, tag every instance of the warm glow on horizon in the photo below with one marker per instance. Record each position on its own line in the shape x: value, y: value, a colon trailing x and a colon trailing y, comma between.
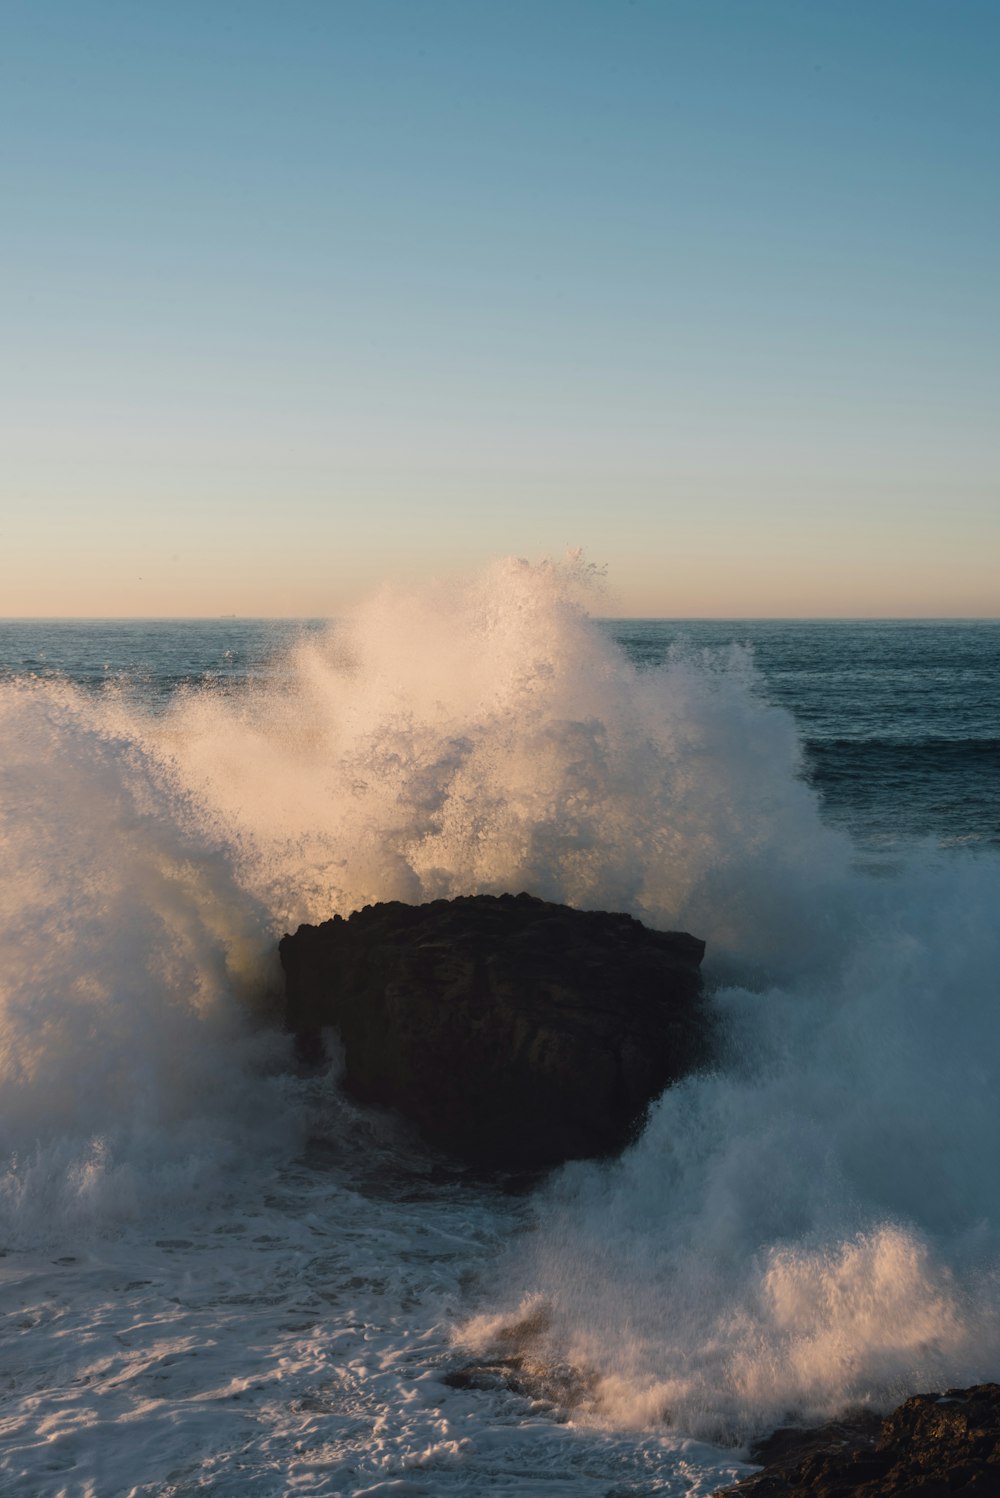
x: 729, y: 590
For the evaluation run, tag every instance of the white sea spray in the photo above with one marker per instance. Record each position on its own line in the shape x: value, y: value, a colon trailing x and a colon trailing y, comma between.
x: 810, y: 1223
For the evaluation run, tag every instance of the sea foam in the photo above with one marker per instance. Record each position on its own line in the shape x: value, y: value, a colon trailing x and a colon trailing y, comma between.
x: 811, y: 1222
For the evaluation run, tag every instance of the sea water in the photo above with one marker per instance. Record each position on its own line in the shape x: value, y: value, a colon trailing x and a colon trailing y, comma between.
x: 221, y: 1276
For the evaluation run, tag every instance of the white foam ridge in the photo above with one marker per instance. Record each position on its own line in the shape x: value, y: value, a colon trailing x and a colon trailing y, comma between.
x: 810, y: 1223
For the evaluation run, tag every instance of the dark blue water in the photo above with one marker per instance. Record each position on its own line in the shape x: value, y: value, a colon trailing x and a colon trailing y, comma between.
x: 900, y: 719
x: 156, y: 656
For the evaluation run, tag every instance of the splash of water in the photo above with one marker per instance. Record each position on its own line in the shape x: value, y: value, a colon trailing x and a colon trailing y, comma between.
x: 812, y: 1223
x: 129, y: 962
x: 488, y: 737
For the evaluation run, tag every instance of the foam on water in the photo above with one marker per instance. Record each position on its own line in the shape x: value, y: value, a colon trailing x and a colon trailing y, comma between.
x: 812, y: 1223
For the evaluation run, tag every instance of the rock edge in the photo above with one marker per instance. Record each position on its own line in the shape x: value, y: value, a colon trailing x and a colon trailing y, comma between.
x: 514, y: 1032
x: 932, y: 1446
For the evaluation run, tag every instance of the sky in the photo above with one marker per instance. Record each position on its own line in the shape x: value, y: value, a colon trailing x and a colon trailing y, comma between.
x: 301, y: 295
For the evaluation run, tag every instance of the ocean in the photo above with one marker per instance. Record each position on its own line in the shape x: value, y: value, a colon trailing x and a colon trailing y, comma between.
x: 220, y: 1276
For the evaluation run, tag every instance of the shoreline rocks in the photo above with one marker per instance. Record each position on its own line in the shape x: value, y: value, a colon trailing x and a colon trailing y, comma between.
x: 932, y: 1446
x: 514, y: 1032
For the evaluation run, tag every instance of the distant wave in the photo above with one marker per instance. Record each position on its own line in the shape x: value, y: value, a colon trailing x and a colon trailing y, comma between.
x: 938, y: 747
x: 937, y: 786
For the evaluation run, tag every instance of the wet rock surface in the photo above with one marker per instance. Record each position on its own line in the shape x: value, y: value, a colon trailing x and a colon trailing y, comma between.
x: 516, y: 1033
x: 932, y: 1446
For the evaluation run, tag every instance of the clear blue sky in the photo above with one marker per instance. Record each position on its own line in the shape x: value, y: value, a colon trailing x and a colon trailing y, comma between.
x: 299, y: 295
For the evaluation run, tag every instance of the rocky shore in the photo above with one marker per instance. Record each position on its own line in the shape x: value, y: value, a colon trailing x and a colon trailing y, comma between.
x: 933, y: 1446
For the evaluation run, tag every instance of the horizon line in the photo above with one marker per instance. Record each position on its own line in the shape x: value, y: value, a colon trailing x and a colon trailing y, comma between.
x: 598, y: 618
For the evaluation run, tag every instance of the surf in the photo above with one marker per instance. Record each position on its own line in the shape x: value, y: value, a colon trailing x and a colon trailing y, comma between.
x: 809, y: 1222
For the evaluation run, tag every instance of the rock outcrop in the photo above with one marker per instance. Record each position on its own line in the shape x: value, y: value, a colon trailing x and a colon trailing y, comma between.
x: 931, y: 1446
x: 514, y: 1032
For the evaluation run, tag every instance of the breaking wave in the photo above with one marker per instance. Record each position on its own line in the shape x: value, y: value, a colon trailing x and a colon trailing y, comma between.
x: 812, y: 1223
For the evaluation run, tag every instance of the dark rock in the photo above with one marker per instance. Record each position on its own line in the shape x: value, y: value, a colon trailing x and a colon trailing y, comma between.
x: 514, y: 1032
x: 517, y: 1366
x: 557, y: 1388
x: 934, y: 1444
